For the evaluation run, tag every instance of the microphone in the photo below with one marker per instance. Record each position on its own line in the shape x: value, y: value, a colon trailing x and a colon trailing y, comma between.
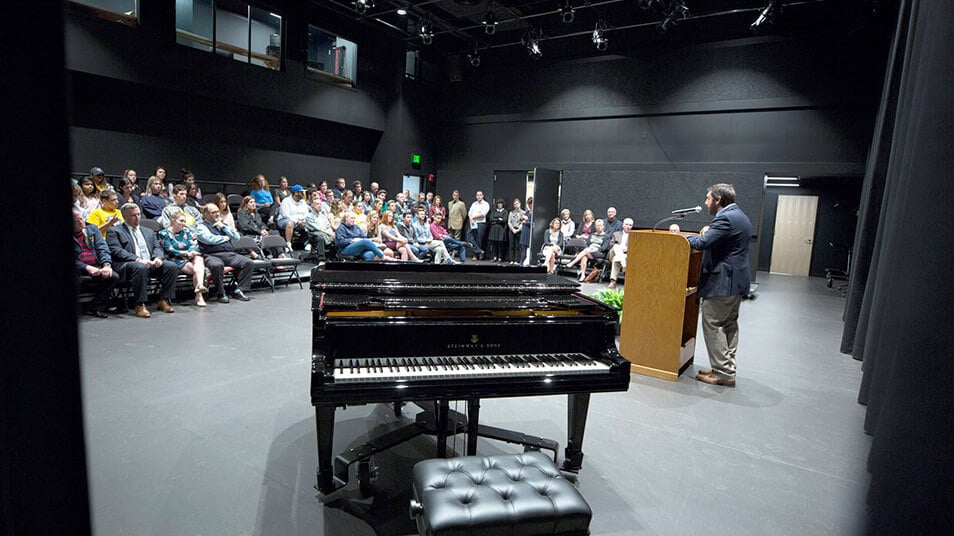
x: 683, y: 211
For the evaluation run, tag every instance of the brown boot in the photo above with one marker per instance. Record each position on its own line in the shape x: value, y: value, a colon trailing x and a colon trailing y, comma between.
x: 165, y: 306
x: 141, y: 311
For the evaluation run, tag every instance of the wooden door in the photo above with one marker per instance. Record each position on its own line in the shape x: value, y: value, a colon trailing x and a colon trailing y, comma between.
x: 794, y: 234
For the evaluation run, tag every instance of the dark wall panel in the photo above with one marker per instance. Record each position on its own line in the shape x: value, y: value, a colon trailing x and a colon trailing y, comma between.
x: 212, y: 162
x: 649, y: 132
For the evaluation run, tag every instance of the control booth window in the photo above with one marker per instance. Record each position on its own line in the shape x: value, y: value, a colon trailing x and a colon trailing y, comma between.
x: 331, y: 58
x: 122, y: 11
x: 233, y: 29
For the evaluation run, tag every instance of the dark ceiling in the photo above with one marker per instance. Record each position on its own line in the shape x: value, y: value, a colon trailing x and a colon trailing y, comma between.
x: 457, y: 26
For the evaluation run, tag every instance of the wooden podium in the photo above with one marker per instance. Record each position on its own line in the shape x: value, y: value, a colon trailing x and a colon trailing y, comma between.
x: 660, y: 305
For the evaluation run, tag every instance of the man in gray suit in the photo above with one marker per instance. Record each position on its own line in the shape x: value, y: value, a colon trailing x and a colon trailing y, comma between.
x: 724, y: 281
x: 137, y: 255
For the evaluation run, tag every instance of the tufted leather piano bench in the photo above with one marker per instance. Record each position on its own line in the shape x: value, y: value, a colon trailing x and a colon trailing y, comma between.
x: 512, y: 494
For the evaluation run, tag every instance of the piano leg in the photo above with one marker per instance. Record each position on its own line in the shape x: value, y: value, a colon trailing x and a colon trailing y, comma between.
x: 473, y: 419
x: 578, y: 406
x: 325, y: 428
x: 441, y: 407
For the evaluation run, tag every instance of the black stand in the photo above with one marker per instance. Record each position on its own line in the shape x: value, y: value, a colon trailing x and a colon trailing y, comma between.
x: 438, y: 420
x: 670, y: 218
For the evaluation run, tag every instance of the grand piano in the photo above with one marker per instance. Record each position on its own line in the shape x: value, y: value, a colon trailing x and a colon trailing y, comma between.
x: 431, y: 334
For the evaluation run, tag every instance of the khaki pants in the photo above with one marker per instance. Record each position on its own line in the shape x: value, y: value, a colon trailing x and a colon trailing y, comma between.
x: 720, y: 327
x: 617, y: 258
x: 439, y: 251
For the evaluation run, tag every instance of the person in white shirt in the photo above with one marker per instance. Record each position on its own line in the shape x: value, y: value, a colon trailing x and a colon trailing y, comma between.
x: 478, y: 224
x: 293, y: 213
x: 617, y: 253
x: 567, y: 226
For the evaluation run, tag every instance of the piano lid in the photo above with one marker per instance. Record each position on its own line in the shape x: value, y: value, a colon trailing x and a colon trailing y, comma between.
x: 442, y: 279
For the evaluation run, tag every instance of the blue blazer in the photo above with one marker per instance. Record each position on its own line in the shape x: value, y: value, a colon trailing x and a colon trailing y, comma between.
x: 725, y: 261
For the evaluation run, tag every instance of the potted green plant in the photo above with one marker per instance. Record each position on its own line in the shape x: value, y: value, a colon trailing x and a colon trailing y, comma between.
x: 613, y: 298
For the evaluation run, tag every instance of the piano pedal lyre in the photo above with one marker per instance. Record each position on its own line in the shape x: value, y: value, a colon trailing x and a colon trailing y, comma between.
x: 366, y: 471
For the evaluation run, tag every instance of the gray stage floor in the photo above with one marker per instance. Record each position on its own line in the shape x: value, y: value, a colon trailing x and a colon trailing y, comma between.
x: 200, y: 422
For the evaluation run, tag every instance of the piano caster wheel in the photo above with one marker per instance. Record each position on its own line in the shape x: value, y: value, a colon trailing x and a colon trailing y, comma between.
x: 364, y: 477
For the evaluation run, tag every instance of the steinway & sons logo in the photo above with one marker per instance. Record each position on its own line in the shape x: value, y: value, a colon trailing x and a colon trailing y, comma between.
x: 474, y: 343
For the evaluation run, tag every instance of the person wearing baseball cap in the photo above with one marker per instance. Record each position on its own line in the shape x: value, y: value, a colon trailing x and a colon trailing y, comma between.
x: 293, y: 213
x: 99, y: 179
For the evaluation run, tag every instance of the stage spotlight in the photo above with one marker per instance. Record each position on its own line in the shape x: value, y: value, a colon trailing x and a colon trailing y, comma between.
x: 427, y: 34
x: 490, y: 23
x: 767, y: 15
x: 362, y: 5
x: 534, y: 47
x: 567, y: 12
x: 474, y: 57
x: 599, y: 36
x: 679, y: 10
x: 676, y: 10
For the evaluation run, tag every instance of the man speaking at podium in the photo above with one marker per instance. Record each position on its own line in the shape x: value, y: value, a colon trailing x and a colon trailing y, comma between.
x: 724, y: 281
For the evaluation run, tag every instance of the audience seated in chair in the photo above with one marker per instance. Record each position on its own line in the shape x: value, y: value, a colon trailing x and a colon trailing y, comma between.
x: 424, y: 238
x: 612, y: 225
x: 352, y: 241
x: 181, y: 247
x: 586, y: 226
x: 87, y: 199
x: 404, y: 229
x: 138, y: 255
x: 126, y: 193
x: 264, y: 201
x: 180, y: 195
x: 223, y: 203
x: 393, y: 240
x: 93, y: 264
x: 292, y: 214
x: 439, y: 232
x: 552, y: 245
x: 155, y: 200
x: 107, y: 215
x: 617, y: 253
x: 318, y: 227
x: 597, y: 246
x: 566, y: 224
x: 373, y: 232
x: 215, y: 243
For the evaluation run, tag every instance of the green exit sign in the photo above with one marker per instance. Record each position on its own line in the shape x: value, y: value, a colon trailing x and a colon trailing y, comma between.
x: 415, y: 159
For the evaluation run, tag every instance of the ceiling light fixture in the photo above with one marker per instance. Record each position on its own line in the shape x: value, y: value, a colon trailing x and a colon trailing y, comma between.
x: 676, y: 10
x: 599, y: 36
x: 490, y: 23
x: 427, y: 34
x: 402, y: 11
x: 361, y: 6
x: 474, y: 57
x: 567, y: 12
x: 766, y: 15
x: 531, y: 40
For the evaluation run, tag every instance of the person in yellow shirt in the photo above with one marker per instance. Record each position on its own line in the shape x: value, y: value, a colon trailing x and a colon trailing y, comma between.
x: 107, y: 215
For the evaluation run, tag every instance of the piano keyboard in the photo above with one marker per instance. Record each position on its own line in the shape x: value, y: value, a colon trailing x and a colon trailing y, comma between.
x: 463, y: 367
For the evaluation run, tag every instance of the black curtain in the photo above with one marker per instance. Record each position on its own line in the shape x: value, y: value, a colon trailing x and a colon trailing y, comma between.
x: 898, y: 317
